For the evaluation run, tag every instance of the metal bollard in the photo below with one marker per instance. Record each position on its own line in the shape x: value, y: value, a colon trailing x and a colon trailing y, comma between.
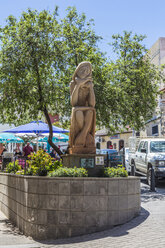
x: 132, y: 170
x: 152, y: 183
x: 25, y: 167
x: 14, y: 164
x: 107, y: 160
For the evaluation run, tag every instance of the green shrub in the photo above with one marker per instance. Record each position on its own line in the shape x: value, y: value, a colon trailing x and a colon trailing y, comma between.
x: 20, y: 172
x: 118, y: 171
x: 69, y: 172
x: 41, y: 163
x: 11, y: 168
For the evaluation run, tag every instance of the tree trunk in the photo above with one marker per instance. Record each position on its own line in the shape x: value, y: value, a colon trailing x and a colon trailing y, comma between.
x: 51, y: 133
x: 41, y: 100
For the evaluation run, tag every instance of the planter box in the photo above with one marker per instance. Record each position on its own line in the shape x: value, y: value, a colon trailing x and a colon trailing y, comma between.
x: 50, y: 208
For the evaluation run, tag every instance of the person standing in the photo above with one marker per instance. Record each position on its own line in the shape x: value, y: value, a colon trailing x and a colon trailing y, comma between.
x: 27, y: 150
x: 3, y: 150
x: 18, y: 152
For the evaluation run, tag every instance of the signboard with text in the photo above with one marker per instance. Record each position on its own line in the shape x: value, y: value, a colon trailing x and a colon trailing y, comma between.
x: 87, y: 162
x: 99, y: 160
x: 116, y: 136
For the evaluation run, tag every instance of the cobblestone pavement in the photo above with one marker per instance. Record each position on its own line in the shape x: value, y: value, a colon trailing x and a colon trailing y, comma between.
x: 145, y: 231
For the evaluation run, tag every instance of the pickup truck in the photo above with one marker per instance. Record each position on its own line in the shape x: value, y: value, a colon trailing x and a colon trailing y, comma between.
x: 149, y: 154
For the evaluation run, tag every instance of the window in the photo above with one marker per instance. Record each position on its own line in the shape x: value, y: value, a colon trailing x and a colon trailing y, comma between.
x: 155, y: 130
x: 146, y: 146
x: 157, y: 146
x: 137, y: 134
x: 98, y: 145
x: 140, y: 146
x: 121, y: 144
x: 109, y: 143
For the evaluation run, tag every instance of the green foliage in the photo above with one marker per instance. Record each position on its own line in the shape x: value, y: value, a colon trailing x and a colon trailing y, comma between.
x: 134, y: 82
x: 21, y: 172
x: 30, y: 63
x: 39, y: 53
x: 69, y: 172
x: 38, y: 56
x: 118, y: 171
x: 13, y: 168
x: 41, y: 163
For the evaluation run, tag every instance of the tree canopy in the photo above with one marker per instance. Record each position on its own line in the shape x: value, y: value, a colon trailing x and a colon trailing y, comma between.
x: 132, y: 84
x: 39, y: 53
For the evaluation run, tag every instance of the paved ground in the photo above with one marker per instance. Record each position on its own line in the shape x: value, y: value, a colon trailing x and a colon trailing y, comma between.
x: 145, y: 231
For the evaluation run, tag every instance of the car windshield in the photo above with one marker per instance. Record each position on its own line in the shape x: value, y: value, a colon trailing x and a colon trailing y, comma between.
x: 157, y: 146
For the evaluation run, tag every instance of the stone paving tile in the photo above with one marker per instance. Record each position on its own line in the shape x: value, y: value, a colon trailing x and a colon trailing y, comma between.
x: 145, y: 231
x: 11, y: 237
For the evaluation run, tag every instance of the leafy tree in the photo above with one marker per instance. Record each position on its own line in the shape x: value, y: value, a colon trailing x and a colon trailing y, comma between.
x: 38, y: 56
x: 29, y: 68
x: 81, y: 44
x: 132, y: 88
x: 39, y: 53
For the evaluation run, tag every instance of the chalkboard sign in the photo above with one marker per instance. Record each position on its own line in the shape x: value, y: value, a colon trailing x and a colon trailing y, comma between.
x: 87, y: 162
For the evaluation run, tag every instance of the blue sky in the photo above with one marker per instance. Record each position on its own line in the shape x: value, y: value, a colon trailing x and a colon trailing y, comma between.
x: 110, y: 16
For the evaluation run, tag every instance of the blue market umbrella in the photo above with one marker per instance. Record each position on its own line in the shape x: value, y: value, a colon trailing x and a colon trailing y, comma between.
x: 60, y: 137
x: 37, y: 127
x: 9, y: 138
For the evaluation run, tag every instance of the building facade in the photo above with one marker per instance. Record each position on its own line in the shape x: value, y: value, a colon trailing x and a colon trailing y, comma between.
x: 117, y: 141
x: 156, y: 126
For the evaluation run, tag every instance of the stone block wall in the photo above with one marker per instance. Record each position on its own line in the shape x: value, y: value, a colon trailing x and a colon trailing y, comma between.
x: 50, y: 208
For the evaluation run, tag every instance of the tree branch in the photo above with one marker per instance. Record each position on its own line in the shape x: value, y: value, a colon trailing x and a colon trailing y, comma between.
x: 44, y: 109
x: 51, y: 132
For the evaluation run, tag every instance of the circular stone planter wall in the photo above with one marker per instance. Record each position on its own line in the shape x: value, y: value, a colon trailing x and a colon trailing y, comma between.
x: 53, y: 208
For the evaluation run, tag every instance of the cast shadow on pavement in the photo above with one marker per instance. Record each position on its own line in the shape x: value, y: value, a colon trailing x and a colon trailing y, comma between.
x: 9, y: 228
x: 117, y: 231
x: 147, y: 195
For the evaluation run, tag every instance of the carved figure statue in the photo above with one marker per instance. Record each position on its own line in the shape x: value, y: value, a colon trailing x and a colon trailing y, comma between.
x: 83, y: 119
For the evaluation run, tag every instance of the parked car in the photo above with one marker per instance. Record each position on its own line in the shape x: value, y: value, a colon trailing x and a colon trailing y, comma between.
x: 124, y: 152
x: 150, y: 154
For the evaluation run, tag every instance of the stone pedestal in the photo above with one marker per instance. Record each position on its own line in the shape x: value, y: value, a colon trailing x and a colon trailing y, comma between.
x: 94, y: 163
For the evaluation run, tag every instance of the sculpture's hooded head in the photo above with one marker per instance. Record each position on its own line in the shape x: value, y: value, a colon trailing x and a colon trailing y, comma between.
x: 83, y: 70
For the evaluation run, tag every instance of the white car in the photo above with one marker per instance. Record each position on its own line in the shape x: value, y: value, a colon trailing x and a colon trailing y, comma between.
x: 151, y: 155
x: 124, y: 152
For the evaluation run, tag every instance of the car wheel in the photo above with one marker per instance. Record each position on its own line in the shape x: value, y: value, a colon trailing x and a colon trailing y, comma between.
x: 133, y: 164
x: 156, y: 181
x: 149, y: 178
